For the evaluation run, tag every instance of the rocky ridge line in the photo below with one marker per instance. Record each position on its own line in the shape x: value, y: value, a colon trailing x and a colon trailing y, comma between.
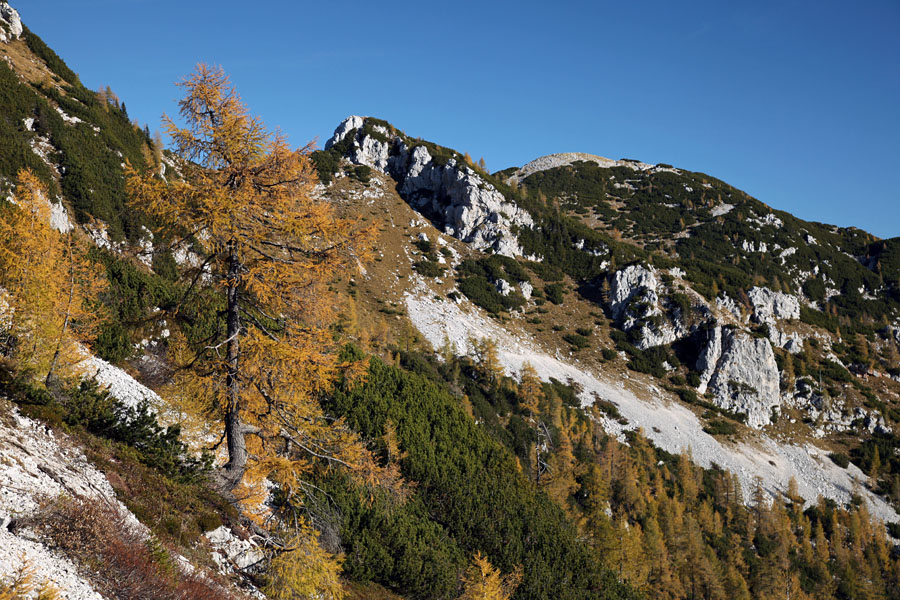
x: 552, y: 161
x: 454, y: 196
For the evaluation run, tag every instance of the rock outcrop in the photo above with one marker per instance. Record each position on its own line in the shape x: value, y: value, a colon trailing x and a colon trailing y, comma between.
x: 635, y: 303
x: 741, y: 374
x: 769, y: 306
x: 832, y: 415
x: 453, y: 195
x: 792, y: 342
x: 10, y: 23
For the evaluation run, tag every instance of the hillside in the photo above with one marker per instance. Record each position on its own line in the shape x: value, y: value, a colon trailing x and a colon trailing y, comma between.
x: 609, y: 378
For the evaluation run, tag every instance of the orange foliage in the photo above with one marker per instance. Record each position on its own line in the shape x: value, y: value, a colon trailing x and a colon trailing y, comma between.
x: 50, y: 285
x: 268, y: 249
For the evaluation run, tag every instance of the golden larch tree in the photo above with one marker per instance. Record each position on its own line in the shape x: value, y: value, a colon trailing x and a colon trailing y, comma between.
x: 483, y: 581
x: 268, y: 250
x: 50, y: 285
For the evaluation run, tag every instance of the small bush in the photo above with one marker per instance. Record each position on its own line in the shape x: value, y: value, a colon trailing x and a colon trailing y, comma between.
x: 555, y: 293
x: 94, y: 533
x: 894, y: 529
x: 577, y: 340
x: 607, y: 408
x: 427, y: 268
x: 840, y: 459
x: 361, y: 173
x: 720, y: 427
x: 608, y: 353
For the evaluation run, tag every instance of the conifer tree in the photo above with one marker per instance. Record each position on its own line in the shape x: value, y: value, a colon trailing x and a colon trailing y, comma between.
x: 530, y: 391
x: 303, y: 569
x: 483, y: 581
x: 487, y: 360
x: 49, y: 282
x: 268, y: 250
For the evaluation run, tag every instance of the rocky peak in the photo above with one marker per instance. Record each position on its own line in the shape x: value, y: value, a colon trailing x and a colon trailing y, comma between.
x: 347, y: 125
x: 453, y: 195
x: 10, y: 23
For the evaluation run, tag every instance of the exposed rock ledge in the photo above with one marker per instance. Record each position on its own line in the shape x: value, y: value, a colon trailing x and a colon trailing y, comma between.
x: 454, y: 196
x: 769, y: 306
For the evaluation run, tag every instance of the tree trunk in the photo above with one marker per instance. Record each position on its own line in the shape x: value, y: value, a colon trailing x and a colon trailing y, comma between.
x: 234, y: 430
x: 65, y: 327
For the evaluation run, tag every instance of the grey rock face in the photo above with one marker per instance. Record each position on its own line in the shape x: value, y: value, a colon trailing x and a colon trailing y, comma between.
x: 526, y: 289
x: 630, y: 282
x: 741, y: 373
x: 792, y: 342
x: 347, y: 125
x: 452, y: 195
x: 769, y: 306
x: 635, y: 302
x: 724, y: 302
x: 10, y: 18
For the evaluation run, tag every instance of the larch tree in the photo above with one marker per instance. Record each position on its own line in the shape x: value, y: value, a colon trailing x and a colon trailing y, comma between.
x: 531, y: 392
x: 487, y: 359
x: 268, y: 251
x: 77, y: 313
x: 483, y: 581
x: 29, y: 254
x: 50, y: 284
x: 531, y: 395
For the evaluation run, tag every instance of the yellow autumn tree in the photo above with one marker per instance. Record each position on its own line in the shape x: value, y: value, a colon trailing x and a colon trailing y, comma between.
x: 50, y: 284
x: 483, y: 581
x: 303, y: 569
x: 487, y: 359
x: 268, y: 250
x: 267, y: 253
x: 530, y: 391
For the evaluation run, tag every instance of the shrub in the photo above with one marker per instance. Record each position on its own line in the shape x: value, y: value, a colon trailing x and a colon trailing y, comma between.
x: 95, y: 533
x: 555, y: 293
x: 577, y: 340
x: 427, y: 268
x: 361, y: 173
x: 720, y: 427
x: 840, y: 459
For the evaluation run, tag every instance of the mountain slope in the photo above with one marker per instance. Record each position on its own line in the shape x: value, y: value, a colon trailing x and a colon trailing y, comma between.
x: 695, y: 349
x: 725, y: 303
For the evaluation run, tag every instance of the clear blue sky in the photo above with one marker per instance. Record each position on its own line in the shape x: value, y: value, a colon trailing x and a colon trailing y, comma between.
x: 797, y: 103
